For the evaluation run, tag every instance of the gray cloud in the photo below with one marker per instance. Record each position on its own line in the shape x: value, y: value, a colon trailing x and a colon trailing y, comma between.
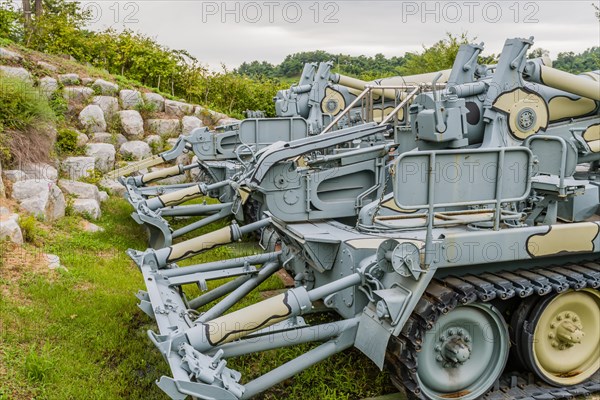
x: 235, y: 31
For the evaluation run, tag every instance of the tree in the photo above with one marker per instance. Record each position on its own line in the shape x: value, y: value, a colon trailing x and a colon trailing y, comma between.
x: 38, y: 8
x: 11, y: 26
x: 438, y: 57
x: 537, y: 53
x: 589, y: 60
x: 256, y: 69
x: 27, y: 14
x: 59, y: 29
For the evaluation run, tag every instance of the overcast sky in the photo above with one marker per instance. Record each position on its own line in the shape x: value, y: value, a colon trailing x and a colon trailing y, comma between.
x: 235, y: 31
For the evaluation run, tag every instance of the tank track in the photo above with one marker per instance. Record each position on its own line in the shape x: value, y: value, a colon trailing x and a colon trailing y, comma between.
x: 443, y: 295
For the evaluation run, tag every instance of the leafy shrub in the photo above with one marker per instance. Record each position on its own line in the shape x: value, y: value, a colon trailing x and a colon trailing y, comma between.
x: 94, y: 177
x: 157, y: 146
x: 146, y: 109
x: 59, y: 105
x: 26, y: 122
x: 66, y: 141
x: 10, y: 27
x: 31, y: 232
x: 69, y: 209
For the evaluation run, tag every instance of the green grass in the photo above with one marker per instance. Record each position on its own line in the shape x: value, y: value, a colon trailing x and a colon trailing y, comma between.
x: 77, y: 333
x: 26, y: 122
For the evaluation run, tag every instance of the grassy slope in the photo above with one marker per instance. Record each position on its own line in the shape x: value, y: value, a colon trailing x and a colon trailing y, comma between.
x: 64, y: 65
x: 78, y: 333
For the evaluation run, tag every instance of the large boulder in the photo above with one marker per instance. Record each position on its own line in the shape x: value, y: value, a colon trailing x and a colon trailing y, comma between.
x: 135, y: 150
x: 178, y: 108
x: 90, y: 227
x: 79, y: 190
x: 92, y: 118
x: 113, y: 187
x: 16, y: 72
x: 47, y: 66
x: 120, y: 139
x: 132, y: 124
x: 40, y: 198
x: 9, y: 227
x: 103, y: 196
x: 78, y: 167
x: 130, y: 99
x: 105, y: 137
x: 208, y: 117
x: 108, y: 104
x: 102, y: 137
x: 154, y: 141
x: 228, y: 121
x: 200, y: 111
x: 82, y: 139
x: 164, y: 127
x: 10, y: 55
x: 104, y: 154
x: 14, y: 175
x: 41, y: 172
x: 69, y: 79
x: 48, y: 86
x: 105, y: 87
x: 157, y: 101
x: 52, y: 261
x: 79, y: 94
x: 189, y: 123
x: 87, y: 207
x: 171, y: 143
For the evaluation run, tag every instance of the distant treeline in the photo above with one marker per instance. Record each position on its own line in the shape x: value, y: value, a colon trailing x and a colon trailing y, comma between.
x: 437, y: 57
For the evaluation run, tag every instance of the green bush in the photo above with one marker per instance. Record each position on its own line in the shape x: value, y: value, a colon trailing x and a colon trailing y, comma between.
x: 26, y: 122
x: 146, y: 109
x: 59, y: 105
x: 10, y: 26
x: 30, y: 229
x: 66, y: 141
x: 94, y: 177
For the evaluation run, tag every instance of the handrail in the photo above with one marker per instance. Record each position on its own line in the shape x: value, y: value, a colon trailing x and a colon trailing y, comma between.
x: 399, y: 106
x: 379, y: 90
x: 350, y: 106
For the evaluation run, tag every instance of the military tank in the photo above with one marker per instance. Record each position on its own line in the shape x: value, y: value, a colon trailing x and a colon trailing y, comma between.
x: 482, y: 260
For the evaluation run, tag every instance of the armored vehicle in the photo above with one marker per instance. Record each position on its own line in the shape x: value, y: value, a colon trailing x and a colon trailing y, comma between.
x: 475, y: 276
x: 221, y: 166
